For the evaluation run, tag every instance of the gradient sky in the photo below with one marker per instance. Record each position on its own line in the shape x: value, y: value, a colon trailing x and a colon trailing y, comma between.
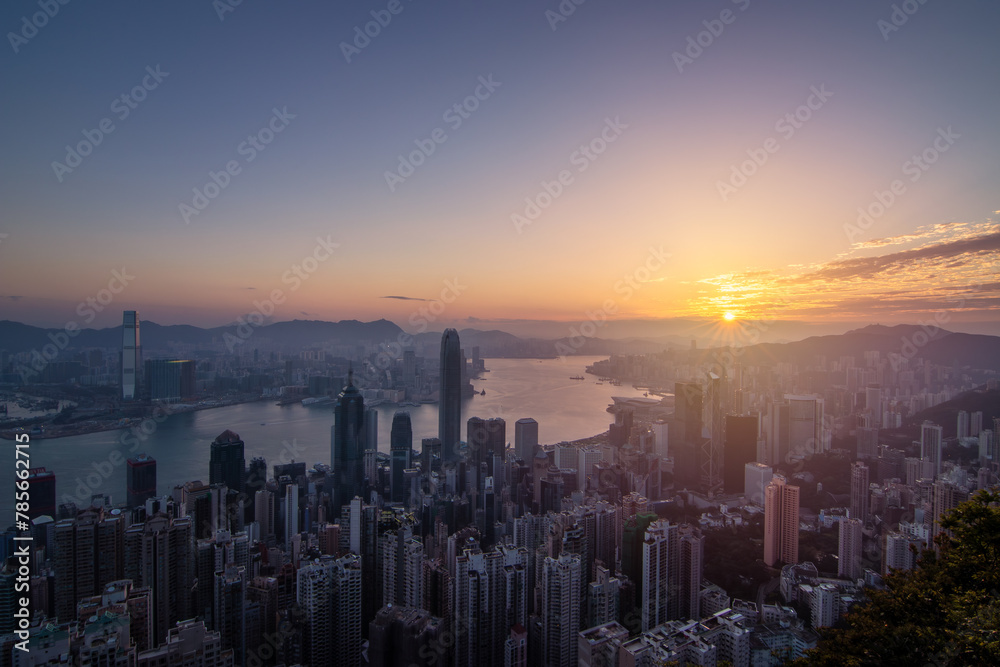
x: 779, y: 245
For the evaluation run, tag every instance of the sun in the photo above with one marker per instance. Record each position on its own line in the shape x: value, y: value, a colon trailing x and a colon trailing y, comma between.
x: 729, y: 317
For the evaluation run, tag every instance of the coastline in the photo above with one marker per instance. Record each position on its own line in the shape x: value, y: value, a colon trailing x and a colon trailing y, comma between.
x: 53, y: 432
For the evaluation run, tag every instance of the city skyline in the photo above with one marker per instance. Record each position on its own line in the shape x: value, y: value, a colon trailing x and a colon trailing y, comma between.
x: 736, y: 169
x: 499, y: 334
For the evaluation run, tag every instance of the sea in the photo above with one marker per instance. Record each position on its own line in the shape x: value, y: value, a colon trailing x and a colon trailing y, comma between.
x: 565, y: 409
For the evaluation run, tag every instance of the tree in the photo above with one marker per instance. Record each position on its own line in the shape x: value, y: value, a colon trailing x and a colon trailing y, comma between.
x: 946, y: 611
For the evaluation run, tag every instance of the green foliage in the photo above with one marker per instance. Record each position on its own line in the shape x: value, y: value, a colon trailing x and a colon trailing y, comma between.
x: 944, y: 612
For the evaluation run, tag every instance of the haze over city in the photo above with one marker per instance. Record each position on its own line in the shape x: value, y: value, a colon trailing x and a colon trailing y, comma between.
x: 499, y: 334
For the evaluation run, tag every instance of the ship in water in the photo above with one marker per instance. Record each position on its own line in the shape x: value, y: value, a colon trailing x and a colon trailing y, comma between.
x: 577, y: 377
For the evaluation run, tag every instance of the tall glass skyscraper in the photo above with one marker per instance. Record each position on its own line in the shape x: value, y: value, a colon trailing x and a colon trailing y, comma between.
x: 400, y: 449
x: 350, y: 437
x: 450, y: 399
x: 227, y: 462
x: 130, y: 355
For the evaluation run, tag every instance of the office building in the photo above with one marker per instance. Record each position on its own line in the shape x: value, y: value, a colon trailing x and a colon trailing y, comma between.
x: 400, y: 453
x: 42, y: 492
x: 170, y: 379
x: 450, y: 396
x: 756, y: 477
x: 227, y: 463
x: 131, y: 356
x: 140, y: 480
x: 525, y: 438
x: 742, y: 434
x: 350, y: 435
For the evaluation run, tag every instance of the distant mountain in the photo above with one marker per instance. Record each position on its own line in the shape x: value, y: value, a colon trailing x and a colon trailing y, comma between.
x: 902, y: 341
x: 17, y: 337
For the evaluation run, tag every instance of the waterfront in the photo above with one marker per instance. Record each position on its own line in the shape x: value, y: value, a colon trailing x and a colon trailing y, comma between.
x: 94, y: 463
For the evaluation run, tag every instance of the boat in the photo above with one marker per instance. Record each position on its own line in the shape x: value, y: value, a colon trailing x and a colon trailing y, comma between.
x: 577, y: 377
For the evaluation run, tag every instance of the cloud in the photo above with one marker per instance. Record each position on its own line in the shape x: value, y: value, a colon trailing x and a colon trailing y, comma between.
x: 404, y: 298
x: 923, y: 272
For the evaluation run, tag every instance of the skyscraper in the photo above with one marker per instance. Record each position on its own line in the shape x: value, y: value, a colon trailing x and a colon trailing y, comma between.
x: 130, y: 355
x: 930, y: 445
x: 860, y: 481
x: 42, y: 491
x: 659, y: 558
x: 486, y: 439
x: 740, y: 449
x: 806, y: 430
x: 227, y: 464
x: 525, y: 438
x: 756, y: 478
x: 962, y: 428
x: 560, y: 610
x: 781, y: 522
x: 140, y: 479
x: 849, y: 552
x: 349, y: 444
x: 400, y: 451
x: 873, y: 403
x: 450, y: 396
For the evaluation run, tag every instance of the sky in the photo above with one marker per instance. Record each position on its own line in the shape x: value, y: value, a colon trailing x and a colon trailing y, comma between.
x: 498, y: 162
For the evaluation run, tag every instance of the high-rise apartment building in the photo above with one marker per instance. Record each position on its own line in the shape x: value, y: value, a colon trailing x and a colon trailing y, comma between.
x: 560, y: 610
x: 781, y: 522
x: 860, y: 481
x: 849, y: 551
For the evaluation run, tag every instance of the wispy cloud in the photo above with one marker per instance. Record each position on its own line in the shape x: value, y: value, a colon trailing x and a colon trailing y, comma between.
x: 924, y: 272
x: 404, y: 298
